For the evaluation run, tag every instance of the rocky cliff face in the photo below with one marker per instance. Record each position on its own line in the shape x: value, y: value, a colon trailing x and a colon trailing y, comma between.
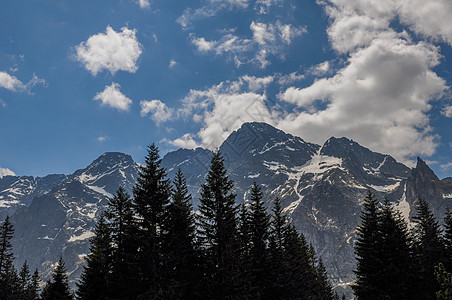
x: 321, y: 188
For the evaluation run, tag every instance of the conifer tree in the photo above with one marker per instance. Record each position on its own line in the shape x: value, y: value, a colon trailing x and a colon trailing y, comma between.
x: 34, y: 286
x: 180, y: 258
x: 396, y: 281
x: 278, y: 269
x: 94, y: 280
x: 444, y: 279
x: 58, y: 287
x: 323, y: 288
x: 151, y: 198
x: 429, y: 249
x: 368, y: 269
x: 258, y: 229
x: 123, y: 279
x: 24, y: 280
x: 8, y: 274
x: 448, y: 239
x: 217, y: 224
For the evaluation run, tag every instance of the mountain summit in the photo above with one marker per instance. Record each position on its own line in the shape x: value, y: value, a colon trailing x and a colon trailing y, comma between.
x: 320, y: 186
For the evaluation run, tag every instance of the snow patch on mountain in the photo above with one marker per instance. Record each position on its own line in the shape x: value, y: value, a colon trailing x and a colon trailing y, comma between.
x: 83, y: 236
x: 100, y: 190
x: 385, y: 188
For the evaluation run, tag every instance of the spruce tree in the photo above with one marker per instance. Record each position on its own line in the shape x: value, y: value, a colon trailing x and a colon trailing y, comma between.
x: 34, y: 286
x: 323, y: 288
x: 122, y: 278
x: 180, y: 258
x: 151, y: 198
x: 58, y: 287
x: 396, y: 281
x: 448, y: 240
x: 8, y: 274
x: 429, y: 249
x: 367, y: 251
x: 94, y: 281
x: 217, y: 222
x: 278, y: 269
x: 259, y: 229
x: 24, y: 280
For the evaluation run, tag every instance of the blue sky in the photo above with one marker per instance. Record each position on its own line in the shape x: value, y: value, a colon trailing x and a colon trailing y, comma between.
x: 79, y: 78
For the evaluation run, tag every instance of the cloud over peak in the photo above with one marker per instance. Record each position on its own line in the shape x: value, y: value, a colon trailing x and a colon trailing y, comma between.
x: 112, y: 51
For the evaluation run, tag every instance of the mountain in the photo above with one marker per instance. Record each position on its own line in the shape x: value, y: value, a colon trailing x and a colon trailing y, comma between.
x: 321, y: 188
x: 61, y: 220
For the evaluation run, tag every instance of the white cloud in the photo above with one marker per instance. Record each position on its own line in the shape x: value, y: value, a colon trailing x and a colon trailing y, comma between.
x: 263, y: 6
x: 113, y: 97
x: 257, y: 83
x: 102, y: 139
x: 321, y: 68
x: 10, y: 82
x: 186, y: 141
x: 172, y: 63
x: 268, y: 39
x: 6, y: 172
x: 113, y: 51
x: 159, y: 111
x: 447, y: 111
x: 446, y: 167
x: 144, y: 3
x: 381, y: 96
x: 3, y: 103
x: 212, y: 8
x: 290, y: 78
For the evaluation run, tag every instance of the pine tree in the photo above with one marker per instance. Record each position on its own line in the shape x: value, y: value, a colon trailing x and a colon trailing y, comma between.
x: 34, y: 286
x: 444, y: 279
x: 396, y: 281
x: 277, y: 288
x: 448, y: 239
x: 8, y: 274
x: 218, y: 232
x: 123, y: 279
x: 151, y: 198
x: 368, y: 270
x: 24, y: 280
x: 94, y: 281
x: 58, y: 287
x: 323, y: 288
x: 181, y: 261
x: 429, y: 249
x: 258, y: 228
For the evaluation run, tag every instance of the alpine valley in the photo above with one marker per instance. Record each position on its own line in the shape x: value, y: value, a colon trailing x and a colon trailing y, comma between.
x: 321, y: 189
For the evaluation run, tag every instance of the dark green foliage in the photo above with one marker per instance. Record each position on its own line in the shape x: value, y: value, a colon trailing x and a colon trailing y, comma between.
x: 9, y: 280
x: 259, y: 223
x: 444, y: 279
x: 151, y: 198
x: 396, y: 281
x: 58, y: 287
x: 218, y: 233
x: 368, y: 270
x: 322, y: 287
x: 33, y: 287
x: 24, y: 280
x: 94, y: 281
x: 448, y: 239
x: 429, y: 249
x: 180, y: 255
x: 124, y: 240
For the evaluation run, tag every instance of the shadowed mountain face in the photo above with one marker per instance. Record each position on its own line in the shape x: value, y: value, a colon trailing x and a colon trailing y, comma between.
x: 320, y: 186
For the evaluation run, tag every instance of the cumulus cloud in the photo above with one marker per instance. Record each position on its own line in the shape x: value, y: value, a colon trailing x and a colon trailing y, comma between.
x: 186, y: 141
x: 447, y: 111
x: 112, y: 51
x: 6, y: 172
x: 112, y: 96
x: 10, y: 82
x: 102, y: 139
x: 159, y: 111
x: 446, y: 167
x: 320, y: 69
x: 381, y: 96
x: 285, y: 79
x: 3, y: 103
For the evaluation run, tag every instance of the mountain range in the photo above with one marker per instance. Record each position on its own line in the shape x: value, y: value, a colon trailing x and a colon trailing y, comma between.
x: 321, y: 188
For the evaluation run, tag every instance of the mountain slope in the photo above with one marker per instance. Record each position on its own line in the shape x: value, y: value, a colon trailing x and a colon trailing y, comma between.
x: 320, y: 186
